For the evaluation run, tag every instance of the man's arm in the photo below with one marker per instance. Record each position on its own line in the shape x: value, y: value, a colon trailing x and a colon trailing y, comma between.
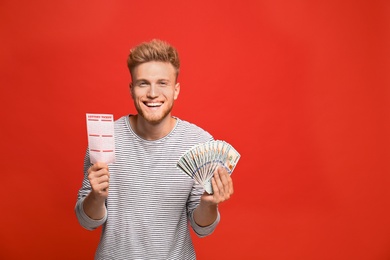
x: 90, y: 206
x: 206, y: 212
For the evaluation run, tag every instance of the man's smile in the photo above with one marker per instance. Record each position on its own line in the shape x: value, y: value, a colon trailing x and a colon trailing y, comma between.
x: 153, y: 104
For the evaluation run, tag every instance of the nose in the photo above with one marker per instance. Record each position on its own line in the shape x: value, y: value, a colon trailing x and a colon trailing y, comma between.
x: 152, y: 92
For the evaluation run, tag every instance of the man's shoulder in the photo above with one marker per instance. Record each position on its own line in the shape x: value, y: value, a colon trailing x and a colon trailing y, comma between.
x: 122, y: 125
x: 121, y: 119
x: 122, y: 122
x: 189, y: 125
x: 191, y: 128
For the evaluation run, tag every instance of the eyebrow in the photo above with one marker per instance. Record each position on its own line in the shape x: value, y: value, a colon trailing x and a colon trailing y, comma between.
x: 147, y: 81
x: 141, y: 80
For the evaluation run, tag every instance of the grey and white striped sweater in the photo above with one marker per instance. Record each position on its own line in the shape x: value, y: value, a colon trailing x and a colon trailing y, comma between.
x: 150, y: 201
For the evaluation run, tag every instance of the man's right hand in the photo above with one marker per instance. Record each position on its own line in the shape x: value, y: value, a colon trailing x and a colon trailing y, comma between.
x: 99, y: 178
x: 94, y: 203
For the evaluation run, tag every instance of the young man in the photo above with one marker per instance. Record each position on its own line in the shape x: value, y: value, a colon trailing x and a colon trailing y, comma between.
x: 143, y: 201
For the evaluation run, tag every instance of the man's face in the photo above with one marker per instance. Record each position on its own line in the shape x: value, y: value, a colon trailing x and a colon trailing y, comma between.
x: 154, y: 90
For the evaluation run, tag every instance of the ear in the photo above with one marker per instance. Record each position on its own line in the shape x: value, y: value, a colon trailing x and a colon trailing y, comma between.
x: 177, y: 91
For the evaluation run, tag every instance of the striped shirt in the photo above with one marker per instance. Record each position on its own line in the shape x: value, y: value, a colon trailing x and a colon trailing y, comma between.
x: 150, y: 201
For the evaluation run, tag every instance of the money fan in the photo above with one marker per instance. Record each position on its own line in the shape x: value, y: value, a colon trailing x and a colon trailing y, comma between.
x: 201, y: 161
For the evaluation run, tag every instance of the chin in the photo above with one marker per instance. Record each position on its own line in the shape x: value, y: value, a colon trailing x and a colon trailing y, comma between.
x: 154, y: 119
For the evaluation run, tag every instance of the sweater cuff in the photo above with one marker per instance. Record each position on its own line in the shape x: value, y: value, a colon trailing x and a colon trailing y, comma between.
x: 86, y: 221
x: 204, y: 231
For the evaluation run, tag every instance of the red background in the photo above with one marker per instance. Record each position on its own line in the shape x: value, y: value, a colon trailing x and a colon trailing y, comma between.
x: 300, y: 88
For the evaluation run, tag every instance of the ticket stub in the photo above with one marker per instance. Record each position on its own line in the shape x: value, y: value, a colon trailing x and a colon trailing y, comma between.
x: 101, y: 142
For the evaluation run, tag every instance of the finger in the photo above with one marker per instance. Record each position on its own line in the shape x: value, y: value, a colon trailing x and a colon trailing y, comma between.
x: 96, y: 182
x: 224, y: 177
x: 103, y: 178
x: 99, y: 165
x: 103, y: 186
x: 216, y: 192
x: 220, y: 178
x: 226, y: 181
x: 96, y: 178
x: 231, y: 188
x: 98, y: 173
x: 103, y: 172
x: 220, y: 189
x: 100, y: 184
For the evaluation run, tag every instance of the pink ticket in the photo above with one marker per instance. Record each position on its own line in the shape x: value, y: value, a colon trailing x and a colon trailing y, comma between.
x: 101, y: 143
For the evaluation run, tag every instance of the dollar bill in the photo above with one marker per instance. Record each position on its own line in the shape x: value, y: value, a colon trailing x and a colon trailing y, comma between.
x: 201, y: 161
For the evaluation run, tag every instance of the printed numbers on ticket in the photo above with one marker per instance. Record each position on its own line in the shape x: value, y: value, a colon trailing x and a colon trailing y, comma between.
x: 101, y: 142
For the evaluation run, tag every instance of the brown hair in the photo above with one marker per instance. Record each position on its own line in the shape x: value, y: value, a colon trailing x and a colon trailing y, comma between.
x: 155, y: 50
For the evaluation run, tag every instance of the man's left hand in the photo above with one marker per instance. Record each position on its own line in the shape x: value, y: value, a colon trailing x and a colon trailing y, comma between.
x: 222, y: 187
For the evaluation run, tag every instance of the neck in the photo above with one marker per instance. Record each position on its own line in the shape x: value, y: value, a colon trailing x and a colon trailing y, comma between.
x: 152, y: 131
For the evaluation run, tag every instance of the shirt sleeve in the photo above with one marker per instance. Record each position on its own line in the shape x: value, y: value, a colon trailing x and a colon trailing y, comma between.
x: 193, y: 202
x: 85, y: 221
x: 85, y: 189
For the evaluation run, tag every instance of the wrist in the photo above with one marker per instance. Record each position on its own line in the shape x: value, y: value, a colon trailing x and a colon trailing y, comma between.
x: 94, y: 206
x: 208, y: 205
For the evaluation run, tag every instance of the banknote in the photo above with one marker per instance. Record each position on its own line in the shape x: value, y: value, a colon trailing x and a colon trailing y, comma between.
x: 201, y: 161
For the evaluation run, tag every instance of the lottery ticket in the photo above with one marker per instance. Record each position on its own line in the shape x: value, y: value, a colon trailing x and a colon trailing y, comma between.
x: 101, y: 143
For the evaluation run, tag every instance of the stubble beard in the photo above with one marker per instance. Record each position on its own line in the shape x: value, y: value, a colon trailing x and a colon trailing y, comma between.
x: 153, y: 118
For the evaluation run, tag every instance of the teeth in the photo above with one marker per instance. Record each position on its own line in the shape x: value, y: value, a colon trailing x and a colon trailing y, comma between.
x: 153, y: 104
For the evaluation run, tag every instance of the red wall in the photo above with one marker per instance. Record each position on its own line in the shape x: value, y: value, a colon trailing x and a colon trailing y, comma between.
x: 300, y: 89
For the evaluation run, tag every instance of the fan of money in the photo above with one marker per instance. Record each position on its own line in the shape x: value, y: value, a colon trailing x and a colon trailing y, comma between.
x: 202, y: 160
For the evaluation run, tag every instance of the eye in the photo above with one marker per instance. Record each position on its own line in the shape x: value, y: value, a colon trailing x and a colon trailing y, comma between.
x: 163, y: 83
x: 143, y: 84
